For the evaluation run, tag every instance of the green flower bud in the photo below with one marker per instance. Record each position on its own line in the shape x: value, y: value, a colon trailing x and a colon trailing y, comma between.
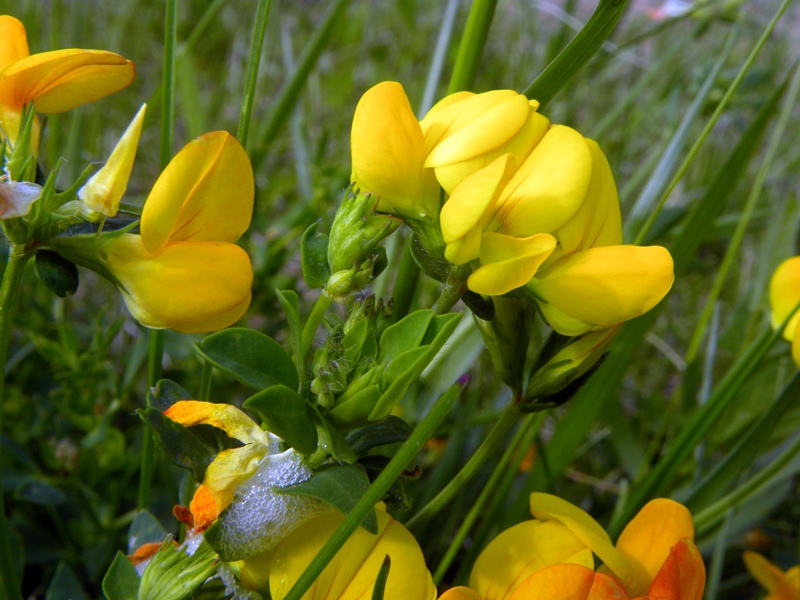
x: 172, y: 574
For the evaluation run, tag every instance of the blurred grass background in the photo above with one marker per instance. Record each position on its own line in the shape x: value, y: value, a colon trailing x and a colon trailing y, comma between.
x: 76, y: 372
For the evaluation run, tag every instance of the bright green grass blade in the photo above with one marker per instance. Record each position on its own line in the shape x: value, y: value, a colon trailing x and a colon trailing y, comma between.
x: 583, y: 47
x: 720, y: 479
x: 471, y: 48
x: 712, y: 121
x: 747, y: 214
x: 283, y: 104
x: 249, y: 95
x: 660, y: 176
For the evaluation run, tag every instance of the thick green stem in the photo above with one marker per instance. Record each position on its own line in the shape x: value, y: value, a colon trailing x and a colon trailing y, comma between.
x: 407, y: 452
x: 453, y: 289
x: 488, y: 492
x: 510, y: 416
x: 470, y: 50
x: 9, y: 293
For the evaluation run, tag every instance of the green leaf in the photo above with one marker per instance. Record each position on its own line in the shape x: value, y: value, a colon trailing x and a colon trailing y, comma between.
x: 65, y: 585
x: 391, y: 431
x: 57, y: 273
x: 145, y: 529
x: 314, y: 257
x: 165, y: 393
x: 285, y: 414
x: 341, y: 486
x: 121, y: 581
x: 332, y: 441
x: 249, y: 357
x: 405, y: 334
x: 176, y: 441
x: 35, y: 490
x: 355, y: 410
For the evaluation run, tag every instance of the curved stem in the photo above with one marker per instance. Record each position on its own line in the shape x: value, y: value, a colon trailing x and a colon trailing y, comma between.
x: 510, y: 416
x: 9, y: 293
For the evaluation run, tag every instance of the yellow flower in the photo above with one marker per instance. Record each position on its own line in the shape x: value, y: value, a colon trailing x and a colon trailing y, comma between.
x: 238, y: 487
x: 388, y: 154
x: 352, y: 573
x: 784, y: 295
x: 780, y: 585
x: 102, y: 193
x: 184, y: 271
x: 550, y: 558
x: 55, y: 81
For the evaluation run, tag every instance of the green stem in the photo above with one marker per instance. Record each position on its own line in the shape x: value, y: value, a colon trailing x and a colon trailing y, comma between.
x: 252, y: 71
x: 453, y: 289
x: 487, y: 493
x: 314, y: 319
x: 205, y: 381
x: 405, y: 283
x: 471, y: 48
x: 9, y: 296
x: 510, y: 416
x: 407, y: 452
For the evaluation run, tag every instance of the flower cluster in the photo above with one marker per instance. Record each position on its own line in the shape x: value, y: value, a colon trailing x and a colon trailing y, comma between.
x: 530, y: 207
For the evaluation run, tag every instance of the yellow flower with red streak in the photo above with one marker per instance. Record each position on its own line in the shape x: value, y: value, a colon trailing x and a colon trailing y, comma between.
x: 550, y: 557
x: 55, y: 81
x: 779, y: 585
x: 784, y: 296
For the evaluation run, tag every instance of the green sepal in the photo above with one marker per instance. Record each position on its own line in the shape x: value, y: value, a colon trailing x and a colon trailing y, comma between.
x: 121, y: 581
x: 21, y: 162
x: 355, y: 410
x: 285, y: 413
x: 340, y: 486
x: 314, y: 257
x: 391, y: 431
x: 379, y: 589
x: 165, y: 393
x: 249, y: 357
x: 404, y: 335
x: 331, y: 442
x: 57, y: 273
x: 176, y: 441
x: 172, y: 574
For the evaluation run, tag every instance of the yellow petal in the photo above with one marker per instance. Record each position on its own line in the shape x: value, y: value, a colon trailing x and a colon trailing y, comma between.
x: 352, y: 572
x: 461, y: 593
x: 464, y: 249
x: 603, y: 286
x: 650, y: 536
x: 784, y: 295
x: 227, y: 417
x: 682, y: 576
x: 569, y: 582
x: 770, y: 577
x: 254, y: 574
x: 546, y: 507
x: 448, y: 100
x: 190, y: 287
x: 508, y: 262
x: 598, y: 221
x: 62, y: 79
x: 204, y: 194
x: 105, y: 188
x: 13, y: 41
x: 230, y: 469
x: 522, y: 550
x: 388, y: 153
x: 548, y: 188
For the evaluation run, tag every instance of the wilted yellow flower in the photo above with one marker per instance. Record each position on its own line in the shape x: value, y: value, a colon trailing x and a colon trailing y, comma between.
x: 550, y: 558
x: 55, y: 81
x: 780, y: 585
x: 784, y: 296
x: 184, y: 272
x: 352, y: 573
x: 102, y: 193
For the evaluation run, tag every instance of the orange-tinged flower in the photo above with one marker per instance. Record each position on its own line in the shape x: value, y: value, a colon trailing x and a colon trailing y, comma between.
x: 780, y: 585
x: 784, y: 296
x: 55, y: 81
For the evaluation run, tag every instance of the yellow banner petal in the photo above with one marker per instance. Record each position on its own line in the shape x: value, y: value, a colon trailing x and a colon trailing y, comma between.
x: 352, y: 572
x: 13, y: 41
x: 598, y: 221
x: 204, y: 194
x: 188, y: 286
x: 650, y: 536
x: 62, y: 79
x: 548, y: 188
x: 388, y: 153
x: 524, y: 549
x: 569, y: 582
x: 226, y: 417
x: 604, y: 286
x: 509, y: 262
